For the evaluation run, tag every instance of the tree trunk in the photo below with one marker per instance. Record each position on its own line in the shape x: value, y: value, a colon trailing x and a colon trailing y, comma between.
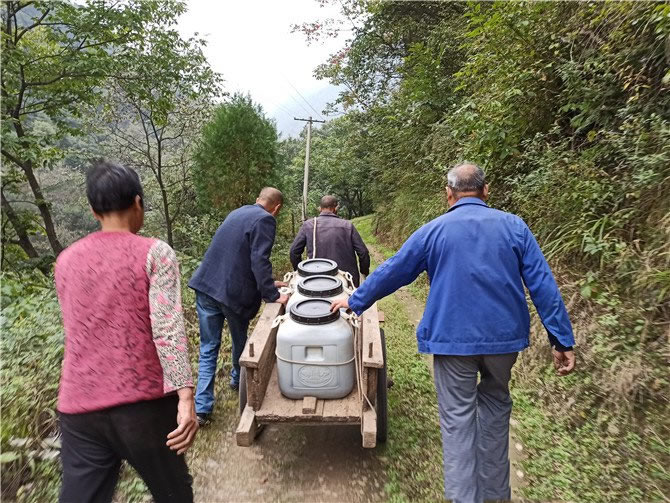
x: 42, y: 205
x: 40, y: 201
x: 168, y: 221
x: 26, y: 166
x: 19, y: 228
x: 164, y: 195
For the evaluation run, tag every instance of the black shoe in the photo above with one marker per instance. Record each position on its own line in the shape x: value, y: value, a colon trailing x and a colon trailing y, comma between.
x: 389, y: 383
x: 203, y: 419
x: 235, y: 386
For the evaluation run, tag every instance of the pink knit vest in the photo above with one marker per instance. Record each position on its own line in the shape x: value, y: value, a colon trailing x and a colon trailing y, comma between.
x: 103, y: 289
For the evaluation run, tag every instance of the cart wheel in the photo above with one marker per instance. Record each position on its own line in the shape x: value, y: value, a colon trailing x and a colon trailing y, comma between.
x: 243, y: 388
x: 382, y: 398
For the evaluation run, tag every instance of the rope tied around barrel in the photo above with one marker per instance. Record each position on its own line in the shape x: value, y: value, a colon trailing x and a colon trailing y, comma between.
x: 355, y: 323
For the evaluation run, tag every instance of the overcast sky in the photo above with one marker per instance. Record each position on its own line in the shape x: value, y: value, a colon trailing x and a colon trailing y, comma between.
x: 250, y: 43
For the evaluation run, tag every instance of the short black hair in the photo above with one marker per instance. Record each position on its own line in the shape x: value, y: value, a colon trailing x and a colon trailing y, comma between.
x: 329, y: 202
x: 112, y: 187
x: 271, y: 195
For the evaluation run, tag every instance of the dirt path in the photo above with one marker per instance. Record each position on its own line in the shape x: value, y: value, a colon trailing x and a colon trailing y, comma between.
x: 414, y: 309
x: 289, y: 463
x: 286, y: 463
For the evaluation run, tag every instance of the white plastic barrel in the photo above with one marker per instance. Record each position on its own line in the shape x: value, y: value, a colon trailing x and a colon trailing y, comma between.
x: 318, y: 287
x: 315, y: 352
x: 318, y: 267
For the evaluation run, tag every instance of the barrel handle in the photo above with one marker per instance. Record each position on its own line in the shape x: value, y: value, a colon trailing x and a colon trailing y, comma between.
x: 279, y: 320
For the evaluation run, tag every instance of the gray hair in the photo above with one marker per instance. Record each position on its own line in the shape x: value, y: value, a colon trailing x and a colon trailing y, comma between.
x: 466, y: 177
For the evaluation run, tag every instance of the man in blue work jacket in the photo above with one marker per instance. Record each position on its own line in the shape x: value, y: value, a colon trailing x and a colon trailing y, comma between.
x: 235, y: 274
x: 476, y: 321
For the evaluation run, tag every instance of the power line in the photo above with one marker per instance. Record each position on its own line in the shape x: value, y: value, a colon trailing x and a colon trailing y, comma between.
x: 308, y: 103
x: 279, y: 107
x: 299, y: 104
x: 284, y: 110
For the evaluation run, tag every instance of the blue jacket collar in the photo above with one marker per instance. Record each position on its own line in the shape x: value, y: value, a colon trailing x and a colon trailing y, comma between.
x: 467, y: 200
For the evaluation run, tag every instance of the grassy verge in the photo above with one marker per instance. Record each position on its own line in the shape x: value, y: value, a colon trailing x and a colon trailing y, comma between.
x: 414, y: 446
x: 365, y: 227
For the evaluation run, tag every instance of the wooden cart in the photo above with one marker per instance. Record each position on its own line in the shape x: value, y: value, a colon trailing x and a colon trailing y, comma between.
x: 261, y: 402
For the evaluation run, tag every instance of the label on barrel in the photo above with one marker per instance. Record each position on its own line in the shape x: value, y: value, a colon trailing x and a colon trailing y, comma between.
x: 316, y: 376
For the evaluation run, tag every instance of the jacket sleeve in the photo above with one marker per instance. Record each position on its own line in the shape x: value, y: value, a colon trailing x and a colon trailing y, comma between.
x: 545, y: 294
x: 298, y: 246
x: 167, y: 318
x: 400, y: 270
x: 361, y: 250
x: 262, y: 239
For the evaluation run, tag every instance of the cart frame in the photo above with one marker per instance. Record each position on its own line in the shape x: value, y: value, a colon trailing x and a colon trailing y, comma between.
x: 261, y: 402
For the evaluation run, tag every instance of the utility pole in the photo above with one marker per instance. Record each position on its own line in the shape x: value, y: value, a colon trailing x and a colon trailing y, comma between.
x: 306, y: 178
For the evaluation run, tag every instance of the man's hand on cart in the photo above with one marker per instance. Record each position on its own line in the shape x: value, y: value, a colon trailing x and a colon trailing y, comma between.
x: 339, y: 304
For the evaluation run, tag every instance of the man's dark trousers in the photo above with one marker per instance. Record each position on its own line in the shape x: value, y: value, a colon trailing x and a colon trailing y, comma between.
x: 474, y: 420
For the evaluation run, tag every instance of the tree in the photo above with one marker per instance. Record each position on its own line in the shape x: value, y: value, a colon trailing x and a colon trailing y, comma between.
x: 236, y: 156
x: 339, y: 165
x: 566, y: 106
x: 57, y: 57
x: 155, y: 121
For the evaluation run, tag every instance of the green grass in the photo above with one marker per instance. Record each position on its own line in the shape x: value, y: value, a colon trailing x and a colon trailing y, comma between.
x: 365, y: 226
x: 414, y: 445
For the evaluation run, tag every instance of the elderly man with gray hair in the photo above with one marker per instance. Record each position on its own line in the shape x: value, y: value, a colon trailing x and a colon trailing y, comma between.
x: 475, y: 322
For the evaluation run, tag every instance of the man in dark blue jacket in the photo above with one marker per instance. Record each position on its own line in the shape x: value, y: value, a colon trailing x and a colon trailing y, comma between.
x: 476, y: 321
x: 234, y: 276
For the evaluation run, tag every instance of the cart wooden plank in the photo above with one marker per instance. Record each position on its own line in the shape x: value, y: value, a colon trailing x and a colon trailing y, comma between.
x: 371, y: 384
x: 258, y: 355
x: 372, y: 341
x: 369, y: 429
x: 246, y: 430
x: 261, y: 336
x: 276, y: 408
x: 309, y: 405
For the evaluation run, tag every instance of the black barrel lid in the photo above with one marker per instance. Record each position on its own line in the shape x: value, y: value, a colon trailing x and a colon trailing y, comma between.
x: 313, y: 312
x: 320, y: 286
x: 317, y: 266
